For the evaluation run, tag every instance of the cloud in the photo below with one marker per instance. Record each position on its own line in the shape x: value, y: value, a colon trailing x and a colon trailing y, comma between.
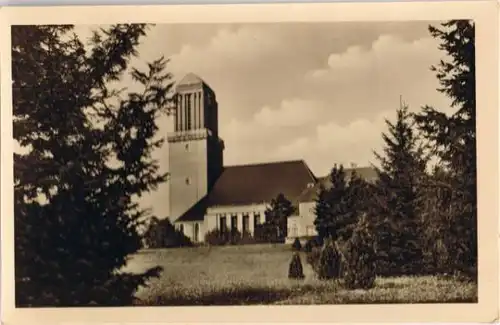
x: 290, y: 113
x: 342, y: 115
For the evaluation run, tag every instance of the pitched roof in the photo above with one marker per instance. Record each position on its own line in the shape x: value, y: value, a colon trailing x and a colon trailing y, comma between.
x: 309, y: 194
x: 190, y: 79
x: 260, y: 183
x: 196, y: 212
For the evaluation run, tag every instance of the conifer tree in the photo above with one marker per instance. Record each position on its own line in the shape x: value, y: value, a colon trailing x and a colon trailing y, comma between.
x: 453, y: 140
x: 86, y: 158
x: 339, y: 204
x: 359, y: 260
x: 295, y: 270
x: 398, y: 196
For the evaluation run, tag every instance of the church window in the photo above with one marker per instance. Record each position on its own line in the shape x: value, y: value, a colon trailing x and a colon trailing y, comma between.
x: 188, y: 181
x: 187, y: 146
x: 246, y: 223
x: 181, y: 228
x: 222, y: 223
x: 188, y: 112
x: 234, y: 223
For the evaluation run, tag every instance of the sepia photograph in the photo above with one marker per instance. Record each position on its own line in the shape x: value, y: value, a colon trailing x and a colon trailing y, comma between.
x: 235, y: 163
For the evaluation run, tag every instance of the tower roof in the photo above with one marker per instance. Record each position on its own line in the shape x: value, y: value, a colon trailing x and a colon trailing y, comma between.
x: 191, y: 79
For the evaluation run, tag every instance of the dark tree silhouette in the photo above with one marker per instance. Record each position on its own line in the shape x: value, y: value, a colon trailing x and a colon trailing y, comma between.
x: 86, y: 155
x: 398, y: 197
x: 452, y: 139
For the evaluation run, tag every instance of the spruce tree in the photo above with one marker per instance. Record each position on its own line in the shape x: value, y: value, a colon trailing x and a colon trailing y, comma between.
x: 452, y: 139
x: 359, y: 262
x: 398, y: 197
x: 339, y: 204
x: 86, y: 158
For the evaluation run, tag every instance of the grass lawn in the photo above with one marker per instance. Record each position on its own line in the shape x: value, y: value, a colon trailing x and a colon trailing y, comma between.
x: 257, y: 274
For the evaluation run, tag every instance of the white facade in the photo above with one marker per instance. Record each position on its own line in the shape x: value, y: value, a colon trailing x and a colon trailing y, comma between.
x: 245, y: 218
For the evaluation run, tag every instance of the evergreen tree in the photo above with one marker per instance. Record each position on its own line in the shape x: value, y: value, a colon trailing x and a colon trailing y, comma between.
x: 339, y: 204
x: 277, y: 215
x: 399, y: 195
x: 359, y: 260
x: 452, y: 139
x: 295, y: 270
x: 87, y: 156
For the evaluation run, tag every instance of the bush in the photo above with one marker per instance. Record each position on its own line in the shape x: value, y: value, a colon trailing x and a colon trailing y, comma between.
x: 295, y: 270
x: 325, y: 261
x: 297, y: 246
x: 162, y: 234
x: 360, y: 258
x: 246, y: 239
x: 329, y: 262
x: 216, y: 237
x: 310, y: 244
x: 267, y: 233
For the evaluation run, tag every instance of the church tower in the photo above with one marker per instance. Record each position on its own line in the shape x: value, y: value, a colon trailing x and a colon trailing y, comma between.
x: 195, y: 149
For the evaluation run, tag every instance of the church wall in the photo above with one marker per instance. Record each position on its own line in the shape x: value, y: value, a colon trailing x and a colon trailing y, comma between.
x: 188, y: 228
x: 212, y: 219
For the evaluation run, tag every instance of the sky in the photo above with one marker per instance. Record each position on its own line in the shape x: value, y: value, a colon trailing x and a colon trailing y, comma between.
x: 313, y: 91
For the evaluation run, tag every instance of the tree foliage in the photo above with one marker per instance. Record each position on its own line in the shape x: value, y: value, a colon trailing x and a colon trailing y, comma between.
x: 452, y: 140
x: 359, y: 257
x: 86, y: 158
x: 277, y: 214
x: 339, y: 203
x: 397, y: 201
x: 295, y: 270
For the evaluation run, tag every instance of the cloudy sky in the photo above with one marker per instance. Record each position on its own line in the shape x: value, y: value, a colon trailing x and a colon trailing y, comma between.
x: 313, y: 91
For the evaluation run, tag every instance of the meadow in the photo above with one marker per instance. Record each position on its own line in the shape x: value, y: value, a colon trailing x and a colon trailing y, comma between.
x: 257, y: 274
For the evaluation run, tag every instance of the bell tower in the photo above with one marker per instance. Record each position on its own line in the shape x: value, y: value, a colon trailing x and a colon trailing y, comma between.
x: 195, y: 149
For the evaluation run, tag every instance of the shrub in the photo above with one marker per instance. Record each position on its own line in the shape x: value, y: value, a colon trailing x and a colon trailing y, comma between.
x: 310, y: 243
x: 246, y: 239
x: 325, y: 261
x: 295, y: 270
x: 216, y: 237
x: 360, y: 258
x: 296, y: 245
x: 162, y: 234
x: 267, y: 233
x: 329, y: 262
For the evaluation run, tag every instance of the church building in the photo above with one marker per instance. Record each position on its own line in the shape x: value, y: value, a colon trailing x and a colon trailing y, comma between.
x: 206, y: 195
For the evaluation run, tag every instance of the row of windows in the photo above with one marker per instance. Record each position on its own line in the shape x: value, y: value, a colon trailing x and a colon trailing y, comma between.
x: 222, y: 224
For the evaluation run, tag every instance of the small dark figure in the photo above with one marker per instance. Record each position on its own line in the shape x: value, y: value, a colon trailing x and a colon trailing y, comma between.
x: 296, y: 246
x: 295, y: 270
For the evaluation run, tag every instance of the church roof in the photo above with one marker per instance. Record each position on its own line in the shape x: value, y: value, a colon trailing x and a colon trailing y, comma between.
x: 196, y: 212
x: 260, y: 183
